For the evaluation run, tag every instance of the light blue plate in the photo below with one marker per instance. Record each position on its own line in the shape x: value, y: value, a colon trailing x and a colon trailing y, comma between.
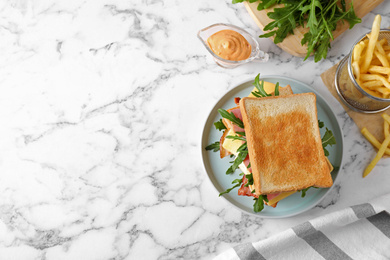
x: 216, y: 167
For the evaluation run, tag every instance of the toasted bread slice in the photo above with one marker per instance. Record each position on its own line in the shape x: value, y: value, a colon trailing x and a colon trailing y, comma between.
x: 284, y: 91
x: 284, y: 143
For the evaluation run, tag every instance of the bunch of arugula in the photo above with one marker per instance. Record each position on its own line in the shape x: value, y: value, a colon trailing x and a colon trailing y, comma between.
x: 320, y: 16
x: 242, y: 151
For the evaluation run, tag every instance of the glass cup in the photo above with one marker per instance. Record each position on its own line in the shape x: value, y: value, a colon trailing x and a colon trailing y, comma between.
x: 256, y: 53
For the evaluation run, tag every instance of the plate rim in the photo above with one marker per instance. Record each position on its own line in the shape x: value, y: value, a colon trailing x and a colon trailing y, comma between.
x: 233, y: 89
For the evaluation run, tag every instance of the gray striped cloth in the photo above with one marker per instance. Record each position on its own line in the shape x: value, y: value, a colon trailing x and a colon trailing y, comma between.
x: 357, y: 232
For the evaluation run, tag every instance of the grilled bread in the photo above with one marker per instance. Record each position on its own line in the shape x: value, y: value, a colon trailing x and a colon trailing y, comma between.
x: 284, y: 143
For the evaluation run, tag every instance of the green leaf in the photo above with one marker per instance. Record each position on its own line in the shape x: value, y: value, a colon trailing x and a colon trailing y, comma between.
x: 305, y: 190
x: 260, y: 87
x: 277, y: 89
x: 238, y: 181
x: 249, y: 177
x: 320, y: 124
x: 237, y: 161
x: 240, y: 133
x: 312, y: 21
x: 236, y: 137
x: 219, y: 125
x: 328, y: 139
x: 215, y: 147
x: 259, y: 203
x: 267, y: 35
x: 242, y: 148
x: 351, y: 17
x: 230, y: 116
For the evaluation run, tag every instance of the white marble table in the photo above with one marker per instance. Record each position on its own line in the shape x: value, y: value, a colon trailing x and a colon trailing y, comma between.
x: 102, y: 107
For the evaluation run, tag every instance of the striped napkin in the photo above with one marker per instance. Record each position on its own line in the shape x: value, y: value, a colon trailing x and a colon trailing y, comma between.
x: 357, y: 232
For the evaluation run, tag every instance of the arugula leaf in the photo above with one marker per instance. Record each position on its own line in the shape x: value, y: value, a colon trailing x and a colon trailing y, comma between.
x: 259, y: 203
x: 266, y: 4
x: 236, y: 137
x: 328, y: 139
x: 230, y: 116
x: 260, y: 87
x: 215, y: 147
x: 249, y: 177
x: 238, y: 181
x: 219, y: 125
x: 312, y: 21
x: 320, y: 124
x: 241, y: 133
x: 239, y: 159
x: 243, y: 147
x: 277, y: 89
x: 305, y: 190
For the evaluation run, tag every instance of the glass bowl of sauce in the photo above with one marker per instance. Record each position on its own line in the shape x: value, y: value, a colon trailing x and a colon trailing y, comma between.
x: 230, y: 45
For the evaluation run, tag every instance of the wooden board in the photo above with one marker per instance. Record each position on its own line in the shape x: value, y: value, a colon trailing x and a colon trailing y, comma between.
x: 292, y: 43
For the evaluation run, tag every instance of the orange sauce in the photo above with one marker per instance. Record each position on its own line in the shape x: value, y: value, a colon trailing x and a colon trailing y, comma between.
x: 229, y: 45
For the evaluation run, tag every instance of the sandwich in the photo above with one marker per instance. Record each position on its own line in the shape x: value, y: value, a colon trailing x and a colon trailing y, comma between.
x: 274, y: 137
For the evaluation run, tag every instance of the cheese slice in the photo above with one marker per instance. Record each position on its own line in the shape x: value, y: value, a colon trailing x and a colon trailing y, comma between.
x: 230, y: 144
x: 329, y: 164
x: 280, y: 197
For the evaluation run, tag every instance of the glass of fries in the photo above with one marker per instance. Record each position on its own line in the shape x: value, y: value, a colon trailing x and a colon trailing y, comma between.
x: 363, y: 77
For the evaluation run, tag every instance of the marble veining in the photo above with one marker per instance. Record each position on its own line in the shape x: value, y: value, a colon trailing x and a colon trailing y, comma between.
x: 102, y: 107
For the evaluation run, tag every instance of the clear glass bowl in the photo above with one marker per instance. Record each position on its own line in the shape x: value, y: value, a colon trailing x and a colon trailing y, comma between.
x: 256, y: 54
x: 349, y: 90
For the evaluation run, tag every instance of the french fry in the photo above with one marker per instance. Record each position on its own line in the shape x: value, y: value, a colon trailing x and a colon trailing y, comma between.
x: 357, y: 51
x: 382, y: 58
x: 386, y: 117
x: 371, y: 43
x: 378, y: 156
x: 382, y: 148
x: 366, y: 77
x: 383, y: 90
x: 385, y: 128
x: 378, y: 70
x: 373, y: 140
x: 379, y: 44
x: 356, y: 69
x: 386, y: 124
x: 371, y: 92
x: 372, y: 84
x: 380, y: 48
